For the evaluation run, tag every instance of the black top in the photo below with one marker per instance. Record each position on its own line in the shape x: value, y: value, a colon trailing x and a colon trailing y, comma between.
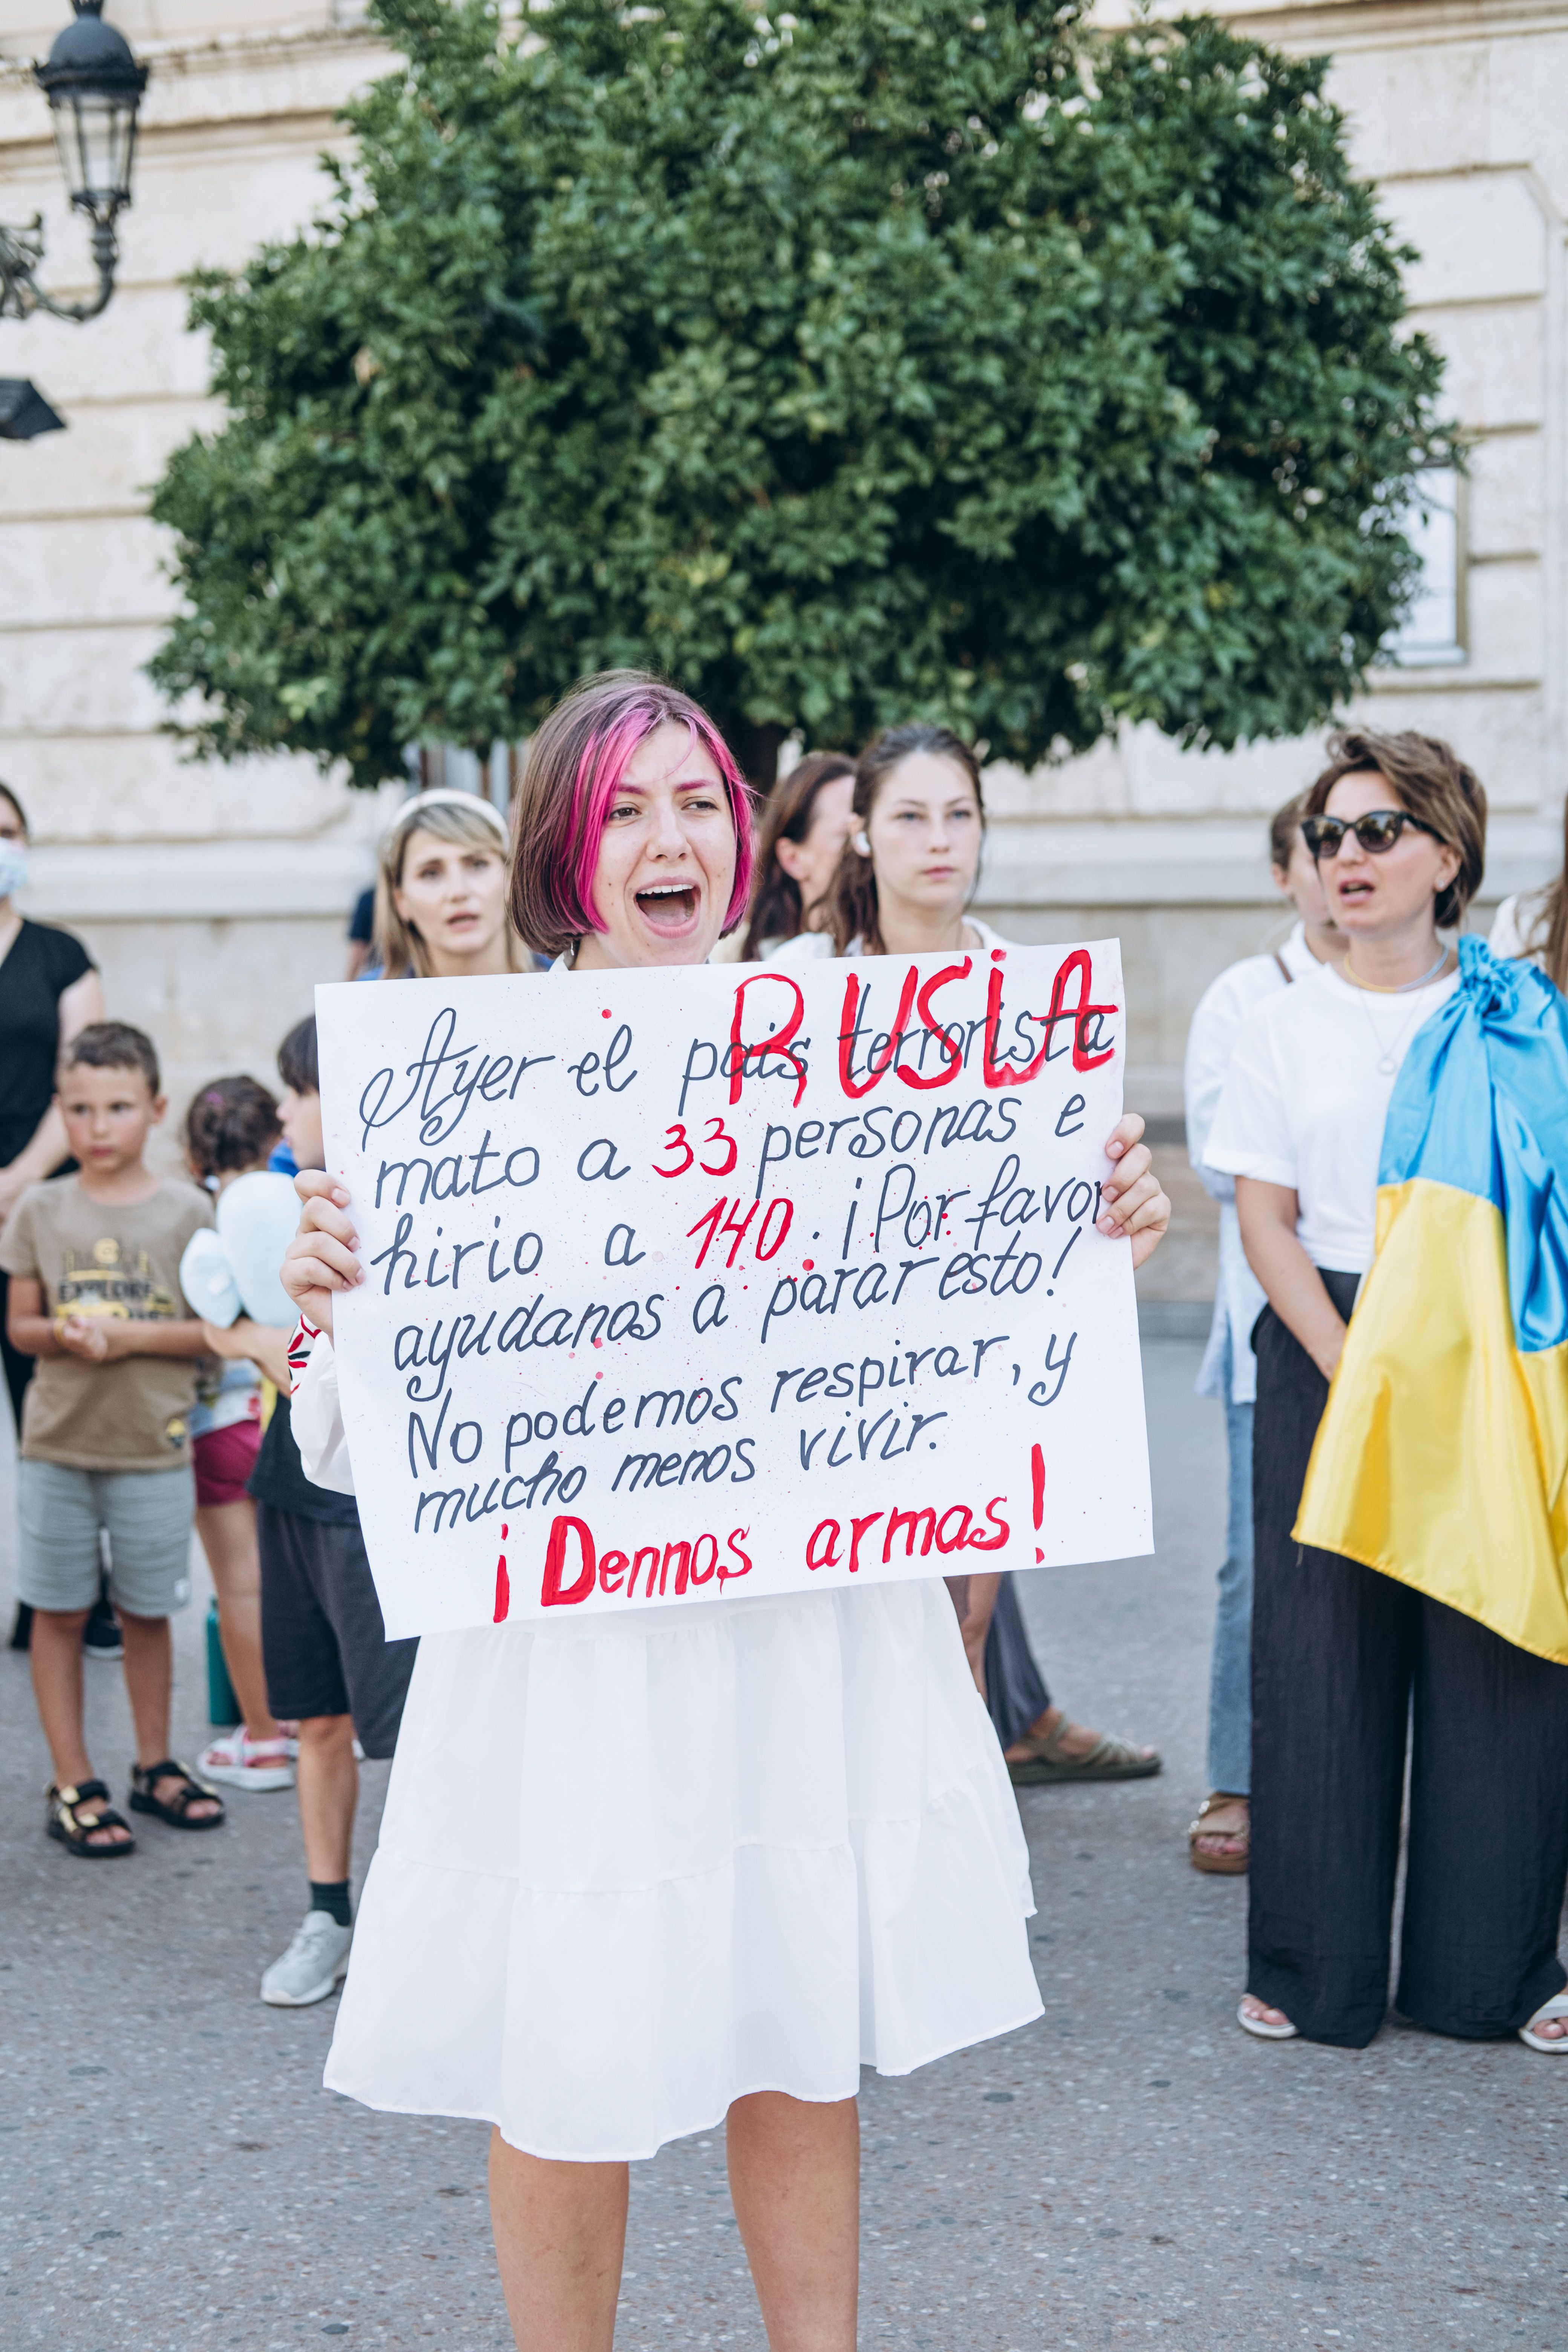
x: 42, y: 964
x: 278, y: 1478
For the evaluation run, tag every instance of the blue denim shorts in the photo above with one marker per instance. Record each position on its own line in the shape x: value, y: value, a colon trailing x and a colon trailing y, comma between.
x: 148, y: 1514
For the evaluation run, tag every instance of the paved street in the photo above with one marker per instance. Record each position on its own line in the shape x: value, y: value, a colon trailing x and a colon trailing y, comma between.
x: 1129, y: 2170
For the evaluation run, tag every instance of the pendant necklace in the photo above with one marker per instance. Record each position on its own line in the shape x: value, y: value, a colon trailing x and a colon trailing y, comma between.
x: 1388, y: 1055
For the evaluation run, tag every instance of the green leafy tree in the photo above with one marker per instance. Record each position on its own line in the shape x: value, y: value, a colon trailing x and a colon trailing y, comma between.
x: 882, y: 359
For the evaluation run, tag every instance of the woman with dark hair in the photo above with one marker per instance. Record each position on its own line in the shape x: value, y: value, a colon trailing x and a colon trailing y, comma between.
x: 556, y: 1934
x: 902, y: 887
x: 805, y: 824
x: 50, y: 990
x: 1351, y: 1668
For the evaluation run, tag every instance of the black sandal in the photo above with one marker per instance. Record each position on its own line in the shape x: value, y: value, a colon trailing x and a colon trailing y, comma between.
x: 74, y: 1829
x: 175, y: 1810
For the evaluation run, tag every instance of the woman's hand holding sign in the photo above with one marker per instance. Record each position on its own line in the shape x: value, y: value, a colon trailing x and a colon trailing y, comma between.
x: 1132, y: 1202
x: 320, y: 1258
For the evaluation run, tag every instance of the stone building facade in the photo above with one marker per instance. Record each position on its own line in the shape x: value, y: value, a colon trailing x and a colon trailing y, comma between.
x: 214, y: 897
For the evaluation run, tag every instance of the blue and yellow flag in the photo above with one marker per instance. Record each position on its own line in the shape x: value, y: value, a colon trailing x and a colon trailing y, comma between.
x: 1442, y: 1457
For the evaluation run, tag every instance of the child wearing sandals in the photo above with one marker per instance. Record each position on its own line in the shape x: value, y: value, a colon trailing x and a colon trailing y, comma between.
x: 94, y: 1296
x: 231, y: 1127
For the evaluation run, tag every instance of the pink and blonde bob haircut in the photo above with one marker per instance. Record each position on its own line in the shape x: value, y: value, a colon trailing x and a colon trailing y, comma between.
x: 576, y: 764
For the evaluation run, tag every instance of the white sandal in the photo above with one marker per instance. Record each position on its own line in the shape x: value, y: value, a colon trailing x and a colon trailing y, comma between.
x: 230, y: 1760
x: 1558, y: 2047
x: 1263, y: 2029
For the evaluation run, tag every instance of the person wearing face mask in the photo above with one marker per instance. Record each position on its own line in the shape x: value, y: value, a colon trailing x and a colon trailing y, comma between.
x: 1355, y: 1670
x: 1218, y: 1840
x: 902, y: 887
x: 50, y: 990
x: 805, y: 824
x: 441, y: 893
x: 638, y: 1874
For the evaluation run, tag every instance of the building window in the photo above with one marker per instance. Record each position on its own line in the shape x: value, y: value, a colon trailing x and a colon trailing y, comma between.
x: 1432, y: 631
x: 448, y: 767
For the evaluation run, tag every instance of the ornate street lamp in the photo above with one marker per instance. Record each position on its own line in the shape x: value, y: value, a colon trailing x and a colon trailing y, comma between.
x: 94, y: 87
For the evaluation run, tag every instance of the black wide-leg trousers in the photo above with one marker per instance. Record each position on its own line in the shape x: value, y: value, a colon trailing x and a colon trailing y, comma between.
x: 1345, y: 1664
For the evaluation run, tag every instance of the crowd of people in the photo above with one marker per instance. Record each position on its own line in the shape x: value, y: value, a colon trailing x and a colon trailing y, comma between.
x: 170, y: 1374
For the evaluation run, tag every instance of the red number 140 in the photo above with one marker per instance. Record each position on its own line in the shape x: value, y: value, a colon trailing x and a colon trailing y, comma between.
x: 714, y: 1223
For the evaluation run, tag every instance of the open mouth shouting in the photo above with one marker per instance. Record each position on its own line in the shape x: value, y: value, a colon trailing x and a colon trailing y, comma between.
x: 669, y: 907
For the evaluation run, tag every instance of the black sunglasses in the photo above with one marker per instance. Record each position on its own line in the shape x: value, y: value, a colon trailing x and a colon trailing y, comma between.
x: 1377, y: 831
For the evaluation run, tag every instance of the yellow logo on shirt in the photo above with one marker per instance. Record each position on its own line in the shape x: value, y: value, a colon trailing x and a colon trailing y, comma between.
x: 100, y: 1284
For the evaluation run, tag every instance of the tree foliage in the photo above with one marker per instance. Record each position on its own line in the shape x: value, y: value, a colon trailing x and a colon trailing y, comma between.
x: 887, y: 358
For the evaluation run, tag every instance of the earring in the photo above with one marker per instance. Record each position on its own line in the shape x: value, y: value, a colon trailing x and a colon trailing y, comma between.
x: 862, y: 846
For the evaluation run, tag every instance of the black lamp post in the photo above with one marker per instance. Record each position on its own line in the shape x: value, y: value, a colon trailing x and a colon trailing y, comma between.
x: 94, y: 87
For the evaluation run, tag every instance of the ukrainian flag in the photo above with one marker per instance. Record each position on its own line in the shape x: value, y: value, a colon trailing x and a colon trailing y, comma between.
x: 1442, y: 1457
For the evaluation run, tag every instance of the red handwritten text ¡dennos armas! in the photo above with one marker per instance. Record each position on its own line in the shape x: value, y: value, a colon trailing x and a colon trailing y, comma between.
x: 574, y: 1567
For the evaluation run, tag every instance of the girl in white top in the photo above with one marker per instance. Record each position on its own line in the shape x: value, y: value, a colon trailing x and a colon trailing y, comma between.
x: 1345, y: 1661
x: 902, y: 887
x: 638, y: 1875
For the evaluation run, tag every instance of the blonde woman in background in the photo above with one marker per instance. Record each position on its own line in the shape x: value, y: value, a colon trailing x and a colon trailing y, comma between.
x: 441, y: 893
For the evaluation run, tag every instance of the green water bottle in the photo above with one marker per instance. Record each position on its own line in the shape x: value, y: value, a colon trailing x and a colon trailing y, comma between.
x: 223, y: 1707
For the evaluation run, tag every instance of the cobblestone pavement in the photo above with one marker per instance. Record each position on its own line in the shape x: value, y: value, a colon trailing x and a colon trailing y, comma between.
x: 1129, y: 2170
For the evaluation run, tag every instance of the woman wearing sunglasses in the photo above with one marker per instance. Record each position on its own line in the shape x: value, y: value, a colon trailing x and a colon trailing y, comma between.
x: 1345, y: 1660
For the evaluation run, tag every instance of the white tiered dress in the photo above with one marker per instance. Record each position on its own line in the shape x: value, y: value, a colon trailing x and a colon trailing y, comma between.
x: 632, y: 1870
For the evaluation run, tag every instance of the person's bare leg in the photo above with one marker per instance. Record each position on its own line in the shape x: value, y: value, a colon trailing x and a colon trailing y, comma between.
x: 975, y: 1625
x: 149, y: 1686
x: 227, y: 1531
x: 561, y: 2238
x: 56, y: 1660
x: 795, y: 2177
x: 327, y: 1783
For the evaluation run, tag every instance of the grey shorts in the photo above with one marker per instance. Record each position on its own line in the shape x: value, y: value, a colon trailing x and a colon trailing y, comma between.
x: 148, y: 1514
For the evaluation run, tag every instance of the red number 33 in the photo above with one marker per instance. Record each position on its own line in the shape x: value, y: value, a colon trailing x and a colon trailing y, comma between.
x: 675, y: 1141
x: 716, y: 1135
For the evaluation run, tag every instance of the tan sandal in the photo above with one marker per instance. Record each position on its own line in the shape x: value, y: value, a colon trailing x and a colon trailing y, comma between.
x: 1222, y: 1865
x: 1107, y: 1759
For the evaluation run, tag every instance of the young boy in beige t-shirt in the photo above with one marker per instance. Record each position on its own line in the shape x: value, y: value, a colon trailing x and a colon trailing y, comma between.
x: 94, y: 1296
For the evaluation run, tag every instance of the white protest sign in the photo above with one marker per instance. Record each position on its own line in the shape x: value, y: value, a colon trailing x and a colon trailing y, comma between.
x: 704, y: 1283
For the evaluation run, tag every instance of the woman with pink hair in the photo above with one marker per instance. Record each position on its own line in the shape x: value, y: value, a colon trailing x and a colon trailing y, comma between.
x: 640, y: 1876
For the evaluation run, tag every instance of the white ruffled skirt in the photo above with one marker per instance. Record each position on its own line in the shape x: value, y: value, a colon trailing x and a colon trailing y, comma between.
x: 629, y: 1874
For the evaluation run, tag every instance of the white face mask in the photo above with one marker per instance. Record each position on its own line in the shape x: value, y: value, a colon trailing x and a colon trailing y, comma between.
x: 12, y: 868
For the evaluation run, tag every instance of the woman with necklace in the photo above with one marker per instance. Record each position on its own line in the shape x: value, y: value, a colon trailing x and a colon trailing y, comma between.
x: 1344, y: 1659
x: 902, y: 887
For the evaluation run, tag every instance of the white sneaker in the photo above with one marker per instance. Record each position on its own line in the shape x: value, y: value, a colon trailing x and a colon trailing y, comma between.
x: 314, y: 1965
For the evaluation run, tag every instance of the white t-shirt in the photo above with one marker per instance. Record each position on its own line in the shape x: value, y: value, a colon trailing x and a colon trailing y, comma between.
x: 1517, y: 920
x: 1305, y: 1099
x: 811, y: 946
x: 1229, y: 1367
